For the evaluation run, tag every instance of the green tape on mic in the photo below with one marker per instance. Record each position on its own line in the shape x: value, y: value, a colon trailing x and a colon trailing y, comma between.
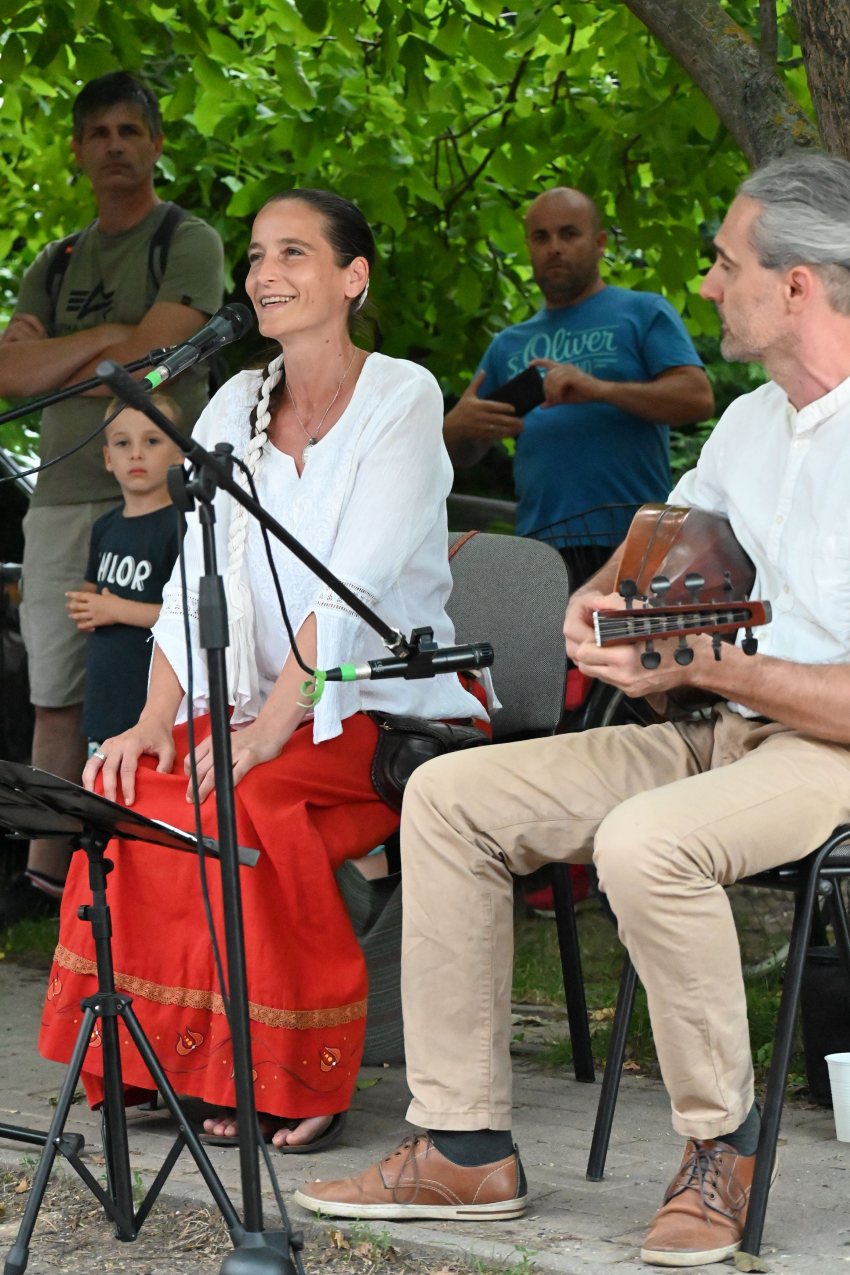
x: 312, y: 689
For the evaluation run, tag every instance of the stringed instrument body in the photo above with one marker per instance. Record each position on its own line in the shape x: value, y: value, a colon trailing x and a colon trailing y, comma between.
x: 674, y: 541
x: 692, y: 576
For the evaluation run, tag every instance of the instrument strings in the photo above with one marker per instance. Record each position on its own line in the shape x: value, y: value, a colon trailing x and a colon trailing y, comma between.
x: 648, y: 624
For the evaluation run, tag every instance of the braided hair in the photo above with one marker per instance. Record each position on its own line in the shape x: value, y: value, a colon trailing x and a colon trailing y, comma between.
x: 261, y: 416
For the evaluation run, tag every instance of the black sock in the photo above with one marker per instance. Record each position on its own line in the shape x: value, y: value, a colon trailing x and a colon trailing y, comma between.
x: 745, y: 1138
x: 471, y: 1148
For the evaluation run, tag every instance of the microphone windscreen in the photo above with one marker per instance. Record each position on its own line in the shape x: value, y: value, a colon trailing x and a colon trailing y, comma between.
x: 239, y: 316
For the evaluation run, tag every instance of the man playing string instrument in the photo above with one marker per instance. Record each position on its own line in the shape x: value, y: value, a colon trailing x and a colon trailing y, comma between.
x: 673, y: 813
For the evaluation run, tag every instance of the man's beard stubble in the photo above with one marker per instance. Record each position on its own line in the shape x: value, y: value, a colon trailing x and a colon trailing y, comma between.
x: 738, y: 347
x: 565, y: 285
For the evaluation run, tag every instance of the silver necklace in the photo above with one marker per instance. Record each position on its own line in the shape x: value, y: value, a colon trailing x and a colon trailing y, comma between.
x: 312, y: 439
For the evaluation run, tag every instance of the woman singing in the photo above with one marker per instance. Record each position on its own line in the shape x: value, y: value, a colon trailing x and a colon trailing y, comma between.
x: 346, y: 451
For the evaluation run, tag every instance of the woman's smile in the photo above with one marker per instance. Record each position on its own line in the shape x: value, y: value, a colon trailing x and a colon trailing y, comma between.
x: 278, y: 299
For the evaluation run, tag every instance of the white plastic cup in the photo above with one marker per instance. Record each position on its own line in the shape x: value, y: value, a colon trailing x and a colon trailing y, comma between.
x: 839, y: 1083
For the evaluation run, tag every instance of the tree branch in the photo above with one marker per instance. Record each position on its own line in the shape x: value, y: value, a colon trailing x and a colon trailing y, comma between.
x: 751, y: 100
x: 825, y: 40
x: 769, y: 42
x: 508, y: 103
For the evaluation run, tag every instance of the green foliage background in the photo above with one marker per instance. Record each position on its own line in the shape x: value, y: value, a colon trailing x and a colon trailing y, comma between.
x: 442, y: 118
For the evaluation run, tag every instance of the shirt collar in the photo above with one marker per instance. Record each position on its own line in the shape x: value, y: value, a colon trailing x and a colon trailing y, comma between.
x: 820, y: 410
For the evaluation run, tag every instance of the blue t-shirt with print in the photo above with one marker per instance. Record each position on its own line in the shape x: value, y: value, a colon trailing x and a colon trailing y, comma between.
x: 574, y: 457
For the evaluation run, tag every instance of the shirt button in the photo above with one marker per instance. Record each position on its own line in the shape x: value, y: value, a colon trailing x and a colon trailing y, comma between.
x: 786, y: 588
x: 778, y: 518
x: 798, y: 444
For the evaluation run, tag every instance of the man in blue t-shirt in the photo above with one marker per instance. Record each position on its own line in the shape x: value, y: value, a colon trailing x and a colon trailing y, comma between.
x: 621, y: 369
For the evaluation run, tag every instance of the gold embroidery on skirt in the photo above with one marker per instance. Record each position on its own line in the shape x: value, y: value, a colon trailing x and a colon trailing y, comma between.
x: 191, y: 998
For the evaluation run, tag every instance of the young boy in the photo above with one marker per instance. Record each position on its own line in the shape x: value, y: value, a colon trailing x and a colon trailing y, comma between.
x: 133, y: 550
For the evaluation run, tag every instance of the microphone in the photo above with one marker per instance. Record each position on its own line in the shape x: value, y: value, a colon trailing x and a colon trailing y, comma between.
x: 426, y: 660
x: 229, y: 324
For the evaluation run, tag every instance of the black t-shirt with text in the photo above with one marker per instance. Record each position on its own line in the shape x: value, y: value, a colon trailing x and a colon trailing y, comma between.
x: 133, y: 558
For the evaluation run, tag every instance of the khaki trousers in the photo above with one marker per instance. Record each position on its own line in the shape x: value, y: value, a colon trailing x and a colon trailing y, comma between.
x: 56, y: 552
x: 669, y: 815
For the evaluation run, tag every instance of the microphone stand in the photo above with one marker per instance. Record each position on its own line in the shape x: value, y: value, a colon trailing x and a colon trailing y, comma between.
x: 81, y: 387
x: 213, y: 471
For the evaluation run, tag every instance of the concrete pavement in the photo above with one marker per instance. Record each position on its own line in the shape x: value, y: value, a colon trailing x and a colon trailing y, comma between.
x: 573, y: 1227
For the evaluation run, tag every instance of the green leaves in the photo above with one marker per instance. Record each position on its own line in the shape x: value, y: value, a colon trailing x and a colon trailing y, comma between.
x: 13, y: 60
x: 314, y: 14
x: 297, y: 89
x: 415, y: 109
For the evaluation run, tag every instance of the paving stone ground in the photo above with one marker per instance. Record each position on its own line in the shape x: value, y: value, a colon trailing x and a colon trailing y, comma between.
x: 573, y: 1227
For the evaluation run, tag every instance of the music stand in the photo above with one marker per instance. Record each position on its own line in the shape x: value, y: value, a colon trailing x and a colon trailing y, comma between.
x: 34, y: 803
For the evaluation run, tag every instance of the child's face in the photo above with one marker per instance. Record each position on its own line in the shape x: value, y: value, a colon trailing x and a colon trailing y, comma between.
x: 138, y: 453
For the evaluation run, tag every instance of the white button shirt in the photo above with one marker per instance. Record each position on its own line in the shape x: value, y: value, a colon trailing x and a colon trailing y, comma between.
x: 782, y: 478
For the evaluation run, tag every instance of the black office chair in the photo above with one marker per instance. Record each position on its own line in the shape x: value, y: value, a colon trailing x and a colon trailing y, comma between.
x: 819, y: 874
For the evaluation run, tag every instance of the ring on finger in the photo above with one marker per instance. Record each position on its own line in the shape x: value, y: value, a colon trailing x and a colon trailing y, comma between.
x: 99, y: 756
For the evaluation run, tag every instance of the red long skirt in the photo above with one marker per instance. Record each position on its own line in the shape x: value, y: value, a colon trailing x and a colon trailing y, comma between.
x: 307, y: 812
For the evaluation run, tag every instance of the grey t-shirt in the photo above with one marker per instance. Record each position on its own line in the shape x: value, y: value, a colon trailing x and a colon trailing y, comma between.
x: 108, y: 281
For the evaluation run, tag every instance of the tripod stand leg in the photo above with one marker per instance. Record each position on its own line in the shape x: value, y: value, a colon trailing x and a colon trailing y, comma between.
x: 199, y: 1155
x: 116, y: 1147
x: 16, y: 1262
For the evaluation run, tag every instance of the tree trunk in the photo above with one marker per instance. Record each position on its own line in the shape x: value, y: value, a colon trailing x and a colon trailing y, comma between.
x: 825, y: 39
x: 749, y: 97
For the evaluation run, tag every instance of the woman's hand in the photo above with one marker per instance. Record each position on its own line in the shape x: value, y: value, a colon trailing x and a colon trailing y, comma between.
x: 250, y: 746
x: 151, y: 737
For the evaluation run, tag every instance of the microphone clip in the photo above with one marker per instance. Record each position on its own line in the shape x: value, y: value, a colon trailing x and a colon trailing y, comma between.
x: 420, y: 650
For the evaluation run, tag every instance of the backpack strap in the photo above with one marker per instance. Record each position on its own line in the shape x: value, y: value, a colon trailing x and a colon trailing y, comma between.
x: 160, y: 241
x: 59, y: 263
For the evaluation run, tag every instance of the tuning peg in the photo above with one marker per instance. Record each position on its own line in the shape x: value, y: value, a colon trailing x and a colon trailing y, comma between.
x: 650, y: 657
x: 683, y: 653
x: 750, y: 644
x: 627, y: 590
x: 716, y: 645
x: 728, y: 586
x: 694, y: 583
x: 659, y: 586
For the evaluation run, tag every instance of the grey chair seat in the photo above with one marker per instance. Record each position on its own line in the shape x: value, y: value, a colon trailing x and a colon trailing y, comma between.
x: 512, y: 593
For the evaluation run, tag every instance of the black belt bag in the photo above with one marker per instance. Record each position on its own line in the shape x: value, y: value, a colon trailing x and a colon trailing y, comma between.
x: 407, y: 742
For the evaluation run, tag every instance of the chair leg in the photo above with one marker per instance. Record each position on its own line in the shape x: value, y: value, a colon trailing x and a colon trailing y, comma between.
x: 613, y: 1072
x: 818, y: 937
x: 783, y: 1042
x: 838, y: 917
x: 565, y: 920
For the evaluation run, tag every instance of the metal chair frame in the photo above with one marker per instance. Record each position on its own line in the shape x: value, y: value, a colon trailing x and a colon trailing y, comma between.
x: 808, y: 878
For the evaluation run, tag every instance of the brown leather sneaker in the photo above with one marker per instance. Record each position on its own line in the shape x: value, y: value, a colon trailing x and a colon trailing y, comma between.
x: 417, y: 1181
x: 705, y: 1207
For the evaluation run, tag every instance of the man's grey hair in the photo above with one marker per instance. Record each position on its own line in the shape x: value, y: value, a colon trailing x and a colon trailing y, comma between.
x: 806, y: 218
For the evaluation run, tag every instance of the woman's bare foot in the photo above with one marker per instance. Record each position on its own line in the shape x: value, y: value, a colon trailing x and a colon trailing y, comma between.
x: 307, y: 1131
x: 225, y: 1126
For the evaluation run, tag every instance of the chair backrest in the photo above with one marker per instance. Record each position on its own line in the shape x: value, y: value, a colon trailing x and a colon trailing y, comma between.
x: 513, y: 592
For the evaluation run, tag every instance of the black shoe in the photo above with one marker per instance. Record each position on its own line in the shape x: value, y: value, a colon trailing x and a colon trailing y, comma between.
x: 20, y: 900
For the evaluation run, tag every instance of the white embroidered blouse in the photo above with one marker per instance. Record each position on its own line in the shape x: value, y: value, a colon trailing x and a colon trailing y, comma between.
x: 370, y: 504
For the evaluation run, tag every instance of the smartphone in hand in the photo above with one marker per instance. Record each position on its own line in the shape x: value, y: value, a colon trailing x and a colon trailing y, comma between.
x: 524, y: 392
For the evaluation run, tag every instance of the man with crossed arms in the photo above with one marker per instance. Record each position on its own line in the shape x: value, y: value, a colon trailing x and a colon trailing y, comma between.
x: 670, y: 814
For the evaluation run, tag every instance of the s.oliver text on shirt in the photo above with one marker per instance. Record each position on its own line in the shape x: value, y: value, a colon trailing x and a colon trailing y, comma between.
x: 596, y: 346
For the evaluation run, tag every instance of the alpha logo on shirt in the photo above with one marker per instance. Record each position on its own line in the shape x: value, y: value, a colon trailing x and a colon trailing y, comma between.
x: 125, y: 571
x: 591, y: 349
x: 83, y: 303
